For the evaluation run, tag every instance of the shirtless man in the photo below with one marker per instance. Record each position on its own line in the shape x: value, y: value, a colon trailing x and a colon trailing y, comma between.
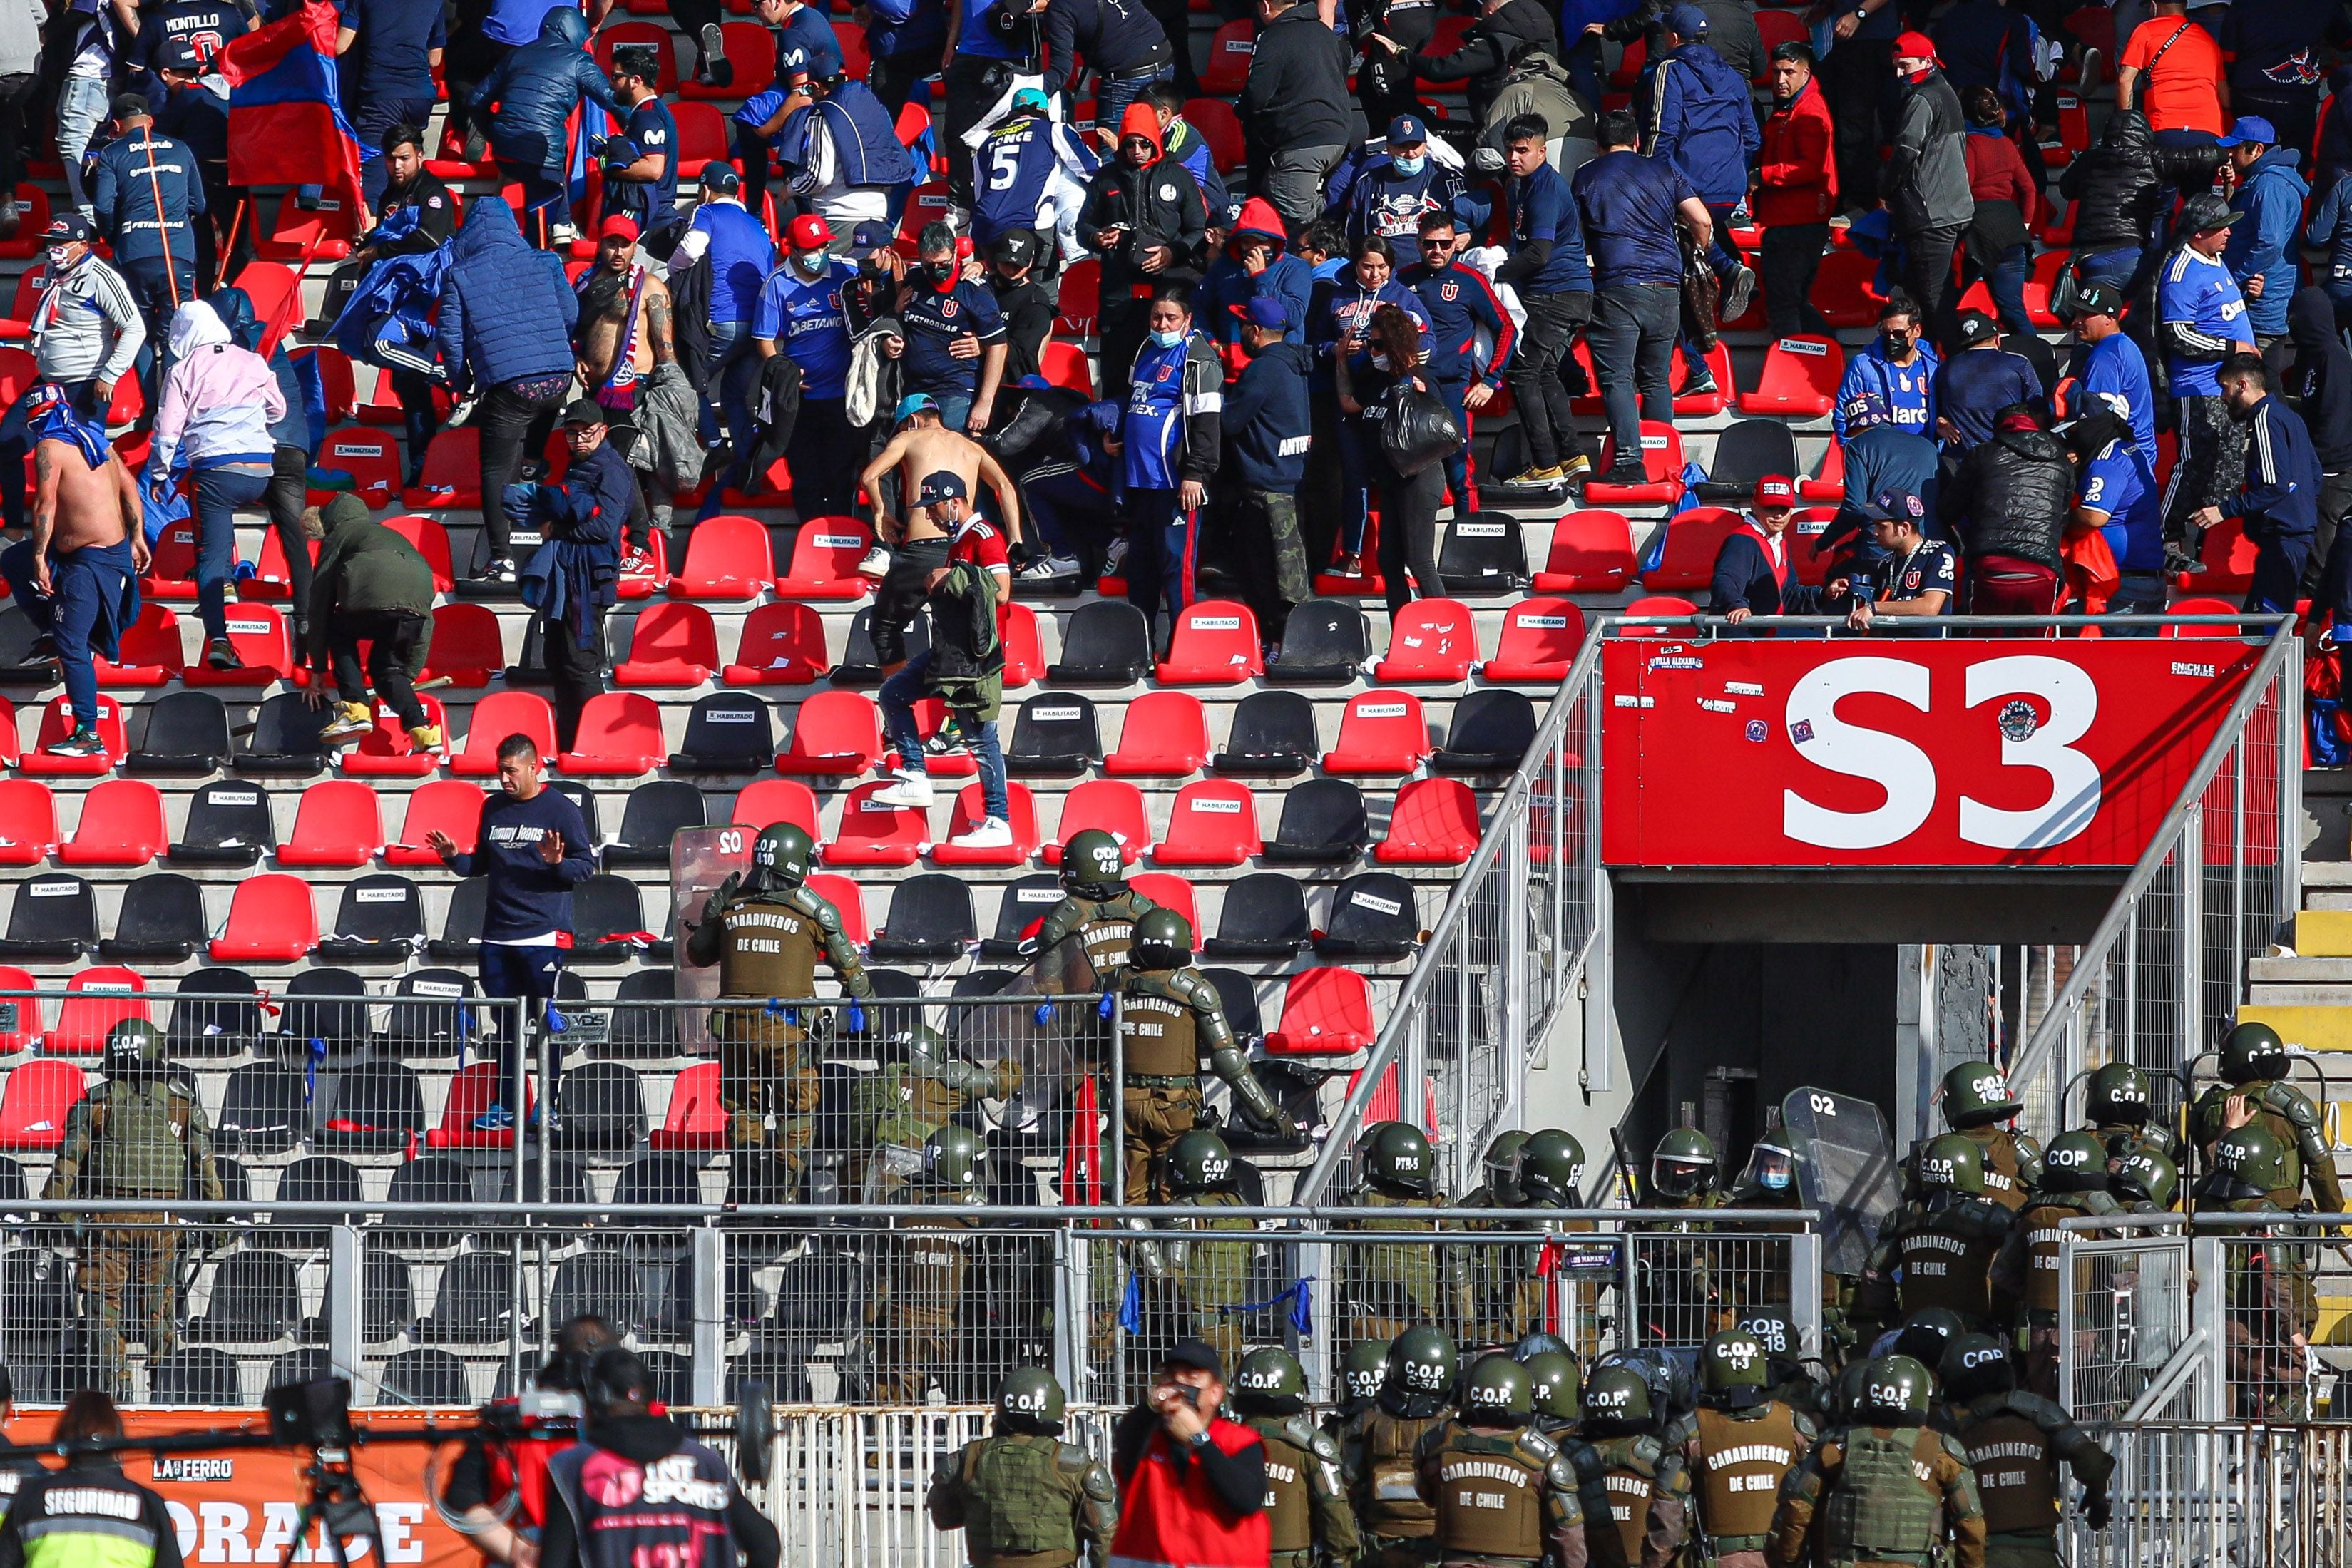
x: 77, y: 575
x: 606, y: 294
x: 918, y: 545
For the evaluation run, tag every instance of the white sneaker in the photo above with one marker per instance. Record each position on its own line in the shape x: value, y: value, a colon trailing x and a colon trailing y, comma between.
x: 1114, y: 557
x: 989, y: 834
x: 876, y: 564
x: 912, y: 791
x: 562, y: 234
x: 1049, y: 568
x: 637, y: 562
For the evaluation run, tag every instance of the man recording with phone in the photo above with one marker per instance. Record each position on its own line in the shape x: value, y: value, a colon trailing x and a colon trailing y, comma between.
x: 1191, y: 1484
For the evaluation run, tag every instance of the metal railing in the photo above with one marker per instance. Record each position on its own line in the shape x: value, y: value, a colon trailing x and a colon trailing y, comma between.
x: 2187, y: 1495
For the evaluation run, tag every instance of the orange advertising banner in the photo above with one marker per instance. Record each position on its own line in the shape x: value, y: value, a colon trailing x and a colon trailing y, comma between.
x: 240, y: 1505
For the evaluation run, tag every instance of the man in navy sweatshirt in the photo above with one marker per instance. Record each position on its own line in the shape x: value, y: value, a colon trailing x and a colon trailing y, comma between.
x: 534, y: 846
x: 1269, y: 426
x: 2279, y: 500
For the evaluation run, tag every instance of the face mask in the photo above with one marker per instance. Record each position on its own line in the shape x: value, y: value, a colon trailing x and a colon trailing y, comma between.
x: 1897, y: 344
x: 1410, y: 165
x: 1167, y: 340
x: 1380, y: 361
x: 58, y: 260
x: 1776, y: 1178
x: 812, y: 262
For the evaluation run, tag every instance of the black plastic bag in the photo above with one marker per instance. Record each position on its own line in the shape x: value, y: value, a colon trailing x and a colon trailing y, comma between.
x: 1417, y: 430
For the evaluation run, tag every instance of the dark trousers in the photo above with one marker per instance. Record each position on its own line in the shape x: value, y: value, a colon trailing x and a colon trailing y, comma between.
x: 1409, y: 535
x: 1858, y: 79
x: 578, y: 673
x: 373, y: 116
x: 289, y: 470
x: 2334, y: 500
x: 1175, y: 19
x: 1457, y: 468
x: 2005, y: 281
x: 513, y: 426
x: 2137, y: 593
x: 1549, y: 430
x: 1160, y: 554
x: 823, y: 457
x: 160, y: 285
x: 1274, y: 577
x: 968, y: 98
x: 399, y: 639
x: 1124, y: 324
x: 529, y: 974
x: 1071, y: 514
x: 901, y: 596
x: 544, y: 197
x: 1927, y: 274
x: 67, y: 616
x: 2278, y: 568
x: 692, y: 16
x: 1633, y: 341
x: 17, y: 90
x: 420, y: 417
x: 219, y: 492
x: 229, y: 217
x: 895, y: 76
x: 2210, y: 466
x: 1789, y: 258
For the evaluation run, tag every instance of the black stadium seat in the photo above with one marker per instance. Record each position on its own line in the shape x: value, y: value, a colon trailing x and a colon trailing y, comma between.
x: 314, y: 1178
x: 161, y: 918
x: 726, y: 733
x: 432, y: 1014
x: 387, y: 1295
x: 1746, y: 452
x: 18, y: 666
x: 285, y: 740
x: 257, y: 1298
x: 1238, y: 993
x: 379, y: 1108
x: 202, y: 1026
x: 585, y: 798
x: 426, y: 1375
x: 604, y: 906
x: 599, y: 1107
x: 199, y: 1374
x: 1326, y: 642
x: 1105, y: 643
x: 1273, y: 734
x: 1054, y: 735
x: 461, y: 941
x: 643, y: 1032
x: 1265, y: 917
x: 442, y: 1183
x: 1373, y: 915
x: 655, y: 811
x: 858, y: 667
x: 931, y: 920
x: 567, y: 1182
x: 296, y: 1367
x: 473, y: 1303
x: 54, y: 917
x: 264, y: 1111
x: 1491, y: 731
x: 600, y: 1283
x: 327, y: 1005
x: 187, y: 732
x: 1020, y: 904
x: 228, y: 825
x: 380, y: 920
x: 1323, y: 823
x: 1482, y: 554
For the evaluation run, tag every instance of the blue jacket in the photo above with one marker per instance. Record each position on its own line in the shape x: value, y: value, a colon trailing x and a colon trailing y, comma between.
x: 128, y: 176
x: 1343, y: 303
x: 905, y: 26
x: 1267, y: 422
x: 1908, y: 391
x: 303, y: 425
x: 865, y: 142
x: 2330, y: 229
x: 1627, y: 205
x: 1877, y: 460
x: 1384, y: 201
x: 1695, y: 113
x: 1975, y: 385
x: 1984, y: 43
x: 1462, y: 305
x: 2281, y: 499
x: 2263, y: 243
x: 388, y: 320
x: 1744, y: 579
x: 536, y: 88
x: 1227, y: 286
x: 507, y: 311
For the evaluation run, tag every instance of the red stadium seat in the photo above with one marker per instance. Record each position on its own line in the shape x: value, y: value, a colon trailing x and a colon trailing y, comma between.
x: 1024, y: 652
x: 1806, y: 527
x: 836, y: 734
x: 271, y: 920
x: 1380, y: 732
x: 1693, y: 538
x: 24, y: 1020
x: 1539, y: 640
x: 873, y: 835
x: 451, y: 480
x: 1700, y: 405
x: 28, y: 821
x: 1657, y: 604
x: 1230, y: 53
x: 650, y: 574
x: 1324, y: 1012
x: 275, y: 291
x: 336, y: 824
x: 466, y: 648
x: 1171, y: 892
x: 1212, y: 824
x: 387, y: 752
x: 149, y: 650
x: 373, y: 401
x: 1081, y: 300
x: 1635, y: 54
x: 36, y: 1101
x: 337, y: 385
x: 1842, y: 291
x: 654, y: 33
x: 1591, y: 552
x: 1021, y: 809
x: 751, y: 49
x: 848, y: 901
x: 931, y: 718
x: 258, y: 632
x: 825, y: 553
x: 432, y: 542
x: 475, y: 1090
x: 1433, y: 821
x: 2201, y: 607
x: 1829, y: 484
x: 121, y: 825
x: 1064, y: 365
x: 1214, y: 644
x: 56, y: 723
x: 323, y: 232
x: 1165, y: 735
x: 1431, y: 640
x: 495, y: 717
x: 670, y: 644
x: 1775, y: 28
x: 764, y: 803
x: 781, y: 645
x: 1221, y: 128
x: 926, y: 203
x: 1799, y: 379
x: 620, y: 737
x: 697, y: 1118
x: 2227, y: 560
x: 271, y: 577
x: 450, y: 805
x: 171, y: 564
x: 702, y: 136
x: 1111, y: 804
x: 1662, y: 461
x: 373, y: 462
x: 856, y: 58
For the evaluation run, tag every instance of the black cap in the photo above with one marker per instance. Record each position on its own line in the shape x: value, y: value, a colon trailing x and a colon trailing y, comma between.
x: 1975, y: 326
x: 584, y: 411
x: 1195, y: 1352
x: 1015, y: 247
x: 943, y: 485
x: 129, y: 106
x: 2204, y: 213
x: 2098, y: 300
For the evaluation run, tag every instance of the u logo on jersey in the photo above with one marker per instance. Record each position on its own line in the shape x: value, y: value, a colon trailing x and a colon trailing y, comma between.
x: 1163, y: 373
x: 949, y: 310
x: 1448, y: 291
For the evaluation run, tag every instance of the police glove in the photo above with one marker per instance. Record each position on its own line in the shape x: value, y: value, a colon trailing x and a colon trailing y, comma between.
x: 2098, y: 1510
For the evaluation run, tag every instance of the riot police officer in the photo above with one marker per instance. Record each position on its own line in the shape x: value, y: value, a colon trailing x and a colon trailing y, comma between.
x: 1508, y: 1290
x: 1500, y: 1166
x: 139, y: 1136
x: 1735, y: 1449
x: 1363, y: 1372
x: 919, y: 1288
x: 1170, y: 1016
x: 907, y: 1101
x: 1769, y: 1180
x: 1558, y: 1392
x: 1502, y: 1493
x: 2253, y: 1071
x: 1023, y: 1498
x: 2271, y: 1303
x: 1925, y: 1336
x: 1385, y: 1287
x: 2122, y: 1112
x: 1977, y: 1102
x: 1199, y: 1278
x: 1376, y: 1449
x: 2074, y: 1184
x: 1556, y: 1387
x: 2015, y: 1443
x: 2144, y: 1181
x: 1942, y: 1243
x: 1305, y: 1499
x: 1097, y: 907
x: 1649, y: 1509
x: 1684, y: 1173
x: 1887, y: 1488
x: 766, y: 933
x: 1683, y: 1291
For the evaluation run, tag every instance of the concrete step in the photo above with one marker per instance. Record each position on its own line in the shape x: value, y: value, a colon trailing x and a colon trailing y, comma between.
x: 2315, y: 1023
x: 2301, y: 991
x: 2322, y: 933
x: 2303, y: 970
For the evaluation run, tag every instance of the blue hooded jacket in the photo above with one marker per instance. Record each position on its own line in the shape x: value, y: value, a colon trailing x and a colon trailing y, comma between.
x: 1695, y: 113
x: 905, y: 26
x: 507, y: 311
x: 2264, y: 242
x: 864, y: 139
x: 304, y: 423
x: 1227, y: 288
x: 536, y: 88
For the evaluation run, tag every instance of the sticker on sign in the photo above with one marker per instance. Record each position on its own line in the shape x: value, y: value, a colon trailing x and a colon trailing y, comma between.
x: 1381, y: 710
x: 1374, y: 900
x: 1216, y: 808
x: 380, y: 895
x: 1812, y: 348
x: 840, y: 541
x: 1218, y: 623
x: 1478, y: 530
x: 1549, y: 622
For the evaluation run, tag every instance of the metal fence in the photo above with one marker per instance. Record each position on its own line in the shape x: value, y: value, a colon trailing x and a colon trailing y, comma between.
x: 2187, y: 1495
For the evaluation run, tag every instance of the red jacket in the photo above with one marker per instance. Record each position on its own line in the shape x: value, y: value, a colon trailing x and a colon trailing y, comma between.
x: 1797, y: 180
x: 1170, y: 1517
x: 1997, y: 172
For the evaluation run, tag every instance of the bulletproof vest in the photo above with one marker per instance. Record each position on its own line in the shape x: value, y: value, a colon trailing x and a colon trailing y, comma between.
x: 137, y: 1143
x: 1287, y: 1507
x: 1105, y: 929
x: 769, y: 948
x: 671, y: 1510
x: 1740, y: 1469
x: 1945, y: 1265
x: 1392, y: 1502
x: 1886, y: 1506
x: 2003, y: 1186
x: 1489, y: 1496
x: 930, y: 1276
x: 2042, y: 1235
x: 2017, y: 1474
x: 1016, y: 1502
x: 1629, y: 1476
x: 2119, y: 1136
x: 1156, y: 1026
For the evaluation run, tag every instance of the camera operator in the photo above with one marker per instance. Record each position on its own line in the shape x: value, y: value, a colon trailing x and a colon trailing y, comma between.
x: 88, y: 1512
x: 1191, y: 1484
x: 637, y: 1488
x: 484, y: 1478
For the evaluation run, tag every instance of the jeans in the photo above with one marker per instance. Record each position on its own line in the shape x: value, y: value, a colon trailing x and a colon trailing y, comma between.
x: 824, y: 456
x: 2005, y: 281
x: 1927, y: 274
x: 507, y: 417
x: 735, y: 369
x: 1858, y: 79
x: 1633, y: 341
x: 1408, y: 536
x: 1161, y: 554
x: 2137, y: 593
x: 219, y: 492
x: 1790, y: 256
x: 1292, y: 179
x: 955, y: 408
x: 82, y: 109
x: 399, y: 640
x: 68, y: 615
x: 1547, y: 427
x: 531, y: 973
x: 543, y: 196
x: 900, y: 695
x: 577, y: 673
x: 1457, y: 468
x: 374, y: 116
x: 160, y: 285
x: 1356, y: 460
x: 1113, y: 94
x: 289, y: 470
x: 1071, y: 514
x: 2116, y: 269
x: 1274, y: 577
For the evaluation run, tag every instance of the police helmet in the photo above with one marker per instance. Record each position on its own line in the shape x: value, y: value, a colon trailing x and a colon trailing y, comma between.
x: 1163, y: 940
x: 135, y: 1049
x: 2145, y: 1174
x: 2253, y: 1053
x: 781, y: 855
x: 1199, y: 1161
x: 1682, y: 1164
x: 1845, y: 1394
x: 1772, y: 1167
x: 1897, y: 1387
x: 1422, y: 1360
x: 952, y: 1158
x: 1500, y: 1393
x: 2247, y: 1162
x: 1925, y: 1334
x: 1976, y: 1364
x: 1539, y: 1343
x: 2118, y: 1094
x: 1950, y: 1163
x: 1555, y: 1386
x: 1976, y: 1095
x: 1616, y: 1399
x: 1502, y: 1166
x: 1092, y: 865
x: 1395, y: 1156
x: 2074, y: 1162
x: 1030, y: 1399
x: 1731, y: 1367
x: 1269, y: 1382
x: 1552, y: 1170
x: 1366, y: 1369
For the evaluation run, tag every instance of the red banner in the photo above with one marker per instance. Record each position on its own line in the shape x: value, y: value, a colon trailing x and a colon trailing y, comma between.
x: 1755, y: 752
x: 240, y: 1506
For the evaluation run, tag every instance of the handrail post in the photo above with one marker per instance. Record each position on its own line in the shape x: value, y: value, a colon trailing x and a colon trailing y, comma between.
x: 709, y: 1327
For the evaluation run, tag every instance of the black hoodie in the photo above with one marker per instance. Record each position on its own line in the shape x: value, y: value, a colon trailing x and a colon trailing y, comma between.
x: 2322, y: 379
x: 646, y: 1438
x: 2114, y: 187
x: 1296, y: 94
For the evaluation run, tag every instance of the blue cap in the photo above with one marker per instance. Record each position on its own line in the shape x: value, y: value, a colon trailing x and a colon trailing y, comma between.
x: 914, y: 403
x: 1030, y: 97
x: 1407, y: 128
x: 2252, y: 128
x: 719, y: 176
x: 1867, y: 408
x: 67, y: 227
x: 1269, y: 312
x: 1686, y: 21
x: 1898, y: 507
x: 872, y: 234
x: 943, y: 485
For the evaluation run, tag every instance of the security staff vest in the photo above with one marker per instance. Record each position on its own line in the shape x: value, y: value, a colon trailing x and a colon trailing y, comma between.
x: 1017, y: 1508
x: 1289, y: 1513
x: 1887, y: 1507
x: 1171, y: 1516
x: 769, y: 949
x: 1392, y: 1505
x: 1156, y: 1026
x: 2017, y: 1474
x: 1630, y: 1475
x: 1945, y: 1266
x: 671, y: 1511
x: 1489, y: 1499
x: 138, y: 1140
x: 1739, y: 1470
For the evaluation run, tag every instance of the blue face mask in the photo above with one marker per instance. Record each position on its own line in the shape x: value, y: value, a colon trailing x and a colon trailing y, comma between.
x: 1167, y: 340
x: 1410, y: 165
x: 1776, y: 1177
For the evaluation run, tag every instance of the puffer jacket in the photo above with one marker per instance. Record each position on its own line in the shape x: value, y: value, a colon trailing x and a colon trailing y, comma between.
x: 2264, y: 241
x: 1158, y: 203
x: 364, y: 566
x: 1228, y: 287
x: 1540, y: 84
x: 536, y: 88
x: 2011, y: 496
x: 2114, y: 187
x: 1695, y: 113
x: 507, y: 312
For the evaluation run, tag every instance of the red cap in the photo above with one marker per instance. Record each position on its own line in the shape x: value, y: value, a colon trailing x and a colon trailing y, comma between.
x: 809, y: 232
x: 1914, y: 47
x: 619, y: 223
x: 1776, y: 490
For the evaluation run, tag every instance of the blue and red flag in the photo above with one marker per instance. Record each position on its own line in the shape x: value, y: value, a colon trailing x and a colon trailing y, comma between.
x: 286, y: 118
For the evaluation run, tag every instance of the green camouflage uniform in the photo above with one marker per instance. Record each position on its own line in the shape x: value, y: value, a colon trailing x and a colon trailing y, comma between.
x: 2293, y: 1120
x: 2270, y: 1296
x: 1025, y: 1500
x: 1386, y: 1289
x: 1872, y: 1495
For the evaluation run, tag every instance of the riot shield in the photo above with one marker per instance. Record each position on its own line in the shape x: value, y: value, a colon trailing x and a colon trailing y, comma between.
x: 1051, y: 1044
x: 700, y: 860
x: 1846, y: 1168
